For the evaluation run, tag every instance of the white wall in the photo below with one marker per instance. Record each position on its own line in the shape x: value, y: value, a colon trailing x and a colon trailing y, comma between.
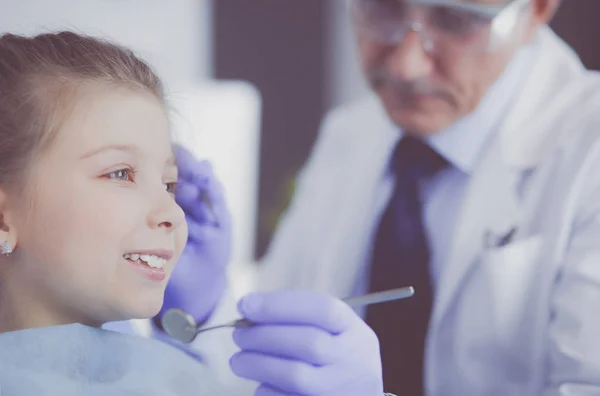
x: 346, y: 82
x: 220, y: 122
x: 174, y: 35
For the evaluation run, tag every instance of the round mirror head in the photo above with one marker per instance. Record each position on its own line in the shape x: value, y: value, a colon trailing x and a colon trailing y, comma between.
x: 180, y: 325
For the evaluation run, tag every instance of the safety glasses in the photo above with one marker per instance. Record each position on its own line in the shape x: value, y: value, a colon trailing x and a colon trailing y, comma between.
x: 453, y: 26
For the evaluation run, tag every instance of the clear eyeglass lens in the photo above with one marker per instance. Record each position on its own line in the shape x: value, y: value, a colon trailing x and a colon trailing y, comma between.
x: 445, y: 27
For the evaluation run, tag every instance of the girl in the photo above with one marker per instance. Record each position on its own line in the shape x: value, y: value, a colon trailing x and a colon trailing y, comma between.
x: 89, y: 227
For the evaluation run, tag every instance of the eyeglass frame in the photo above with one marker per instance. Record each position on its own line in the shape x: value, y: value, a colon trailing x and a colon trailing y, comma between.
x: 500, y: 17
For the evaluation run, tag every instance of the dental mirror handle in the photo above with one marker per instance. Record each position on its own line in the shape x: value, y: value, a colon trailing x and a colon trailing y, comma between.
x: 182, y: 326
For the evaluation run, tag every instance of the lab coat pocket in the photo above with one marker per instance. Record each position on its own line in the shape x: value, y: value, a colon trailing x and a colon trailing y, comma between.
x: 511, y: 272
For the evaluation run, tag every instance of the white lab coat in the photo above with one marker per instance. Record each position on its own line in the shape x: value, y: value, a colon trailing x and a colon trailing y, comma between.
x: 520, y: 319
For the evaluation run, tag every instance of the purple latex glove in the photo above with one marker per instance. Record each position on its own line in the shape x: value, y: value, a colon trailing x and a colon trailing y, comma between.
x: 306, y: 344
x: 199, y: 279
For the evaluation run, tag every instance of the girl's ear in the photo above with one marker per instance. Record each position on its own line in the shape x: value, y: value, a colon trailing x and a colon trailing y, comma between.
x: 8, y: 230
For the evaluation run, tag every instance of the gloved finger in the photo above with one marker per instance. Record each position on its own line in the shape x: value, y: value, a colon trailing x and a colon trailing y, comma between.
x: 304, y: 343
x: 298, y: 307
x: 191, y: 169
x: 201, y: 232
x: 204, y: 204
x: 287, y: 375
x: 187, y: 195
x: 214, y: 189
x: 215, y: 193
x: 266, y: 390
x: 196, y: 209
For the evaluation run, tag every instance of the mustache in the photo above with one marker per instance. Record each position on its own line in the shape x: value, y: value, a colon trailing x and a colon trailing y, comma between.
x: 380, y: 78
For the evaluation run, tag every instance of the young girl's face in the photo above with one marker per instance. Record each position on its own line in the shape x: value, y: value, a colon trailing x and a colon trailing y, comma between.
x: 102, y: 232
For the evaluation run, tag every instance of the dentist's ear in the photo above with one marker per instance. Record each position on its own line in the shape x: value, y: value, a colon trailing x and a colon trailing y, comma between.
x: 541, y: 13
x: 8, y: 231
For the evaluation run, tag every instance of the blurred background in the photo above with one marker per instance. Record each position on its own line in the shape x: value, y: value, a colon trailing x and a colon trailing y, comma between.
x: 249, y: 80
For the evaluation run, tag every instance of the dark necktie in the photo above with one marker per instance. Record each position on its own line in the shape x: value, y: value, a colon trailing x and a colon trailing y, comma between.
x: 401, y: 258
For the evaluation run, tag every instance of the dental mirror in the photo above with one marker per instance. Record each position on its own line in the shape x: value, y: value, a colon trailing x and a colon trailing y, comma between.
x: 182, y: 326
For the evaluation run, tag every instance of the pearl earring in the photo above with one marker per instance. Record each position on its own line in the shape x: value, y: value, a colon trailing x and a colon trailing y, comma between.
x: 6, y: 249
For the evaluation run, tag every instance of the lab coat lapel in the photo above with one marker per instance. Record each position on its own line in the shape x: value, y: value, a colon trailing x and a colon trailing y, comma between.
x: 489, y: 211
x: 492, y: 204
x: 347, y: 246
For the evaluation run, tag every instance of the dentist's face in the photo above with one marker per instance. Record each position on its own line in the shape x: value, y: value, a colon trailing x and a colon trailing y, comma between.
x: 424, y: 90
x: 99, y: 237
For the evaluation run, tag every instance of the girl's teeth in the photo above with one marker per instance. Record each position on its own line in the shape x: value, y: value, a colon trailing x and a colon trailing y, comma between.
x: 150, y: 260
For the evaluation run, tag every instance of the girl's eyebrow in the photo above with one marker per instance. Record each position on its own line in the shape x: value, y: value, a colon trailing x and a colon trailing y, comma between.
x: 113, y: 147
x: 127, y: 148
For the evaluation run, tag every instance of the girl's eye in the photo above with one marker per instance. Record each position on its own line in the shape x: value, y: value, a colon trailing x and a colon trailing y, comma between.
x: 171, y: 188
x: 127, y: 175
x: 121, y: 174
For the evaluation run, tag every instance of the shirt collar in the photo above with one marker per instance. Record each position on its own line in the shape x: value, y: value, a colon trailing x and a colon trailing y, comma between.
x: 463, y: 142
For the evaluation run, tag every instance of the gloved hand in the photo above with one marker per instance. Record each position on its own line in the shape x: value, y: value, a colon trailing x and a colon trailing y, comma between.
x: 199, y: 278
x: 306, y: 344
